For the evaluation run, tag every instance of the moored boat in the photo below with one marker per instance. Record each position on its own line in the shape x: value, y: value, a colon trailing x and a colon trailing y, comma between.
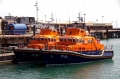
x: 47, y: 37
x: 77, y: 46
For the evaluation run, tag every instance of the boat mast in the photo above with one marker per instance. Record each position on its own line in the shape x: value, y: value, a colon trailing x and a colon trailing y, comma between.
x: 36, y: 4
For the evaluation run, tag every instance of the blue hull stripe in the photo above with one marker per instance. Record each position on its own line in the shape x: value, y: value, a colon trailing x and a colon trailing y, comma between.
x: 59, y: 57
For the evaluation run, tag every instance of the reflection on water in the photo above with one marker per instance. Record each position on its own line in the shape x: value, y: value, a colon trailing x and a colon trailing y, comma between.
x: 90, y: 70
x: 105, y: 69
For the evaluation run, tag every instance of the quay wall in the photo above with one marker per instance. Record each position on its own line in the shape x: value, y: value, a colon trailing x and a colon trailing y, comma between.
x: 105, y: 35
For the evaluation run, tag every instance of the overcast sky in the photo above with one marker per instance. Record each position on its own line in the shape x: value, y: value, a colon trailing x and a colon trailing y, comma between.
x: 64, y: 9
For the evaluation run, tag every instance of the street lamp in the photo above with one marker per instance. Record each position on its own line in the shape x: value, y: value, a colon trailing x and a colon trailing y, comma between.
x: 102, y: 18
x: 84, y: 22
x: 36, y: 4
x: 45, y: 18
x: 84, y: 18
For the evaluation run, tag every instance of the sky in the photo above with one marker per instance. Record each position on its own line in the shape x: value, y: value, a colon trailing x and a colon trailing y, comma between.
x: 65, y: 10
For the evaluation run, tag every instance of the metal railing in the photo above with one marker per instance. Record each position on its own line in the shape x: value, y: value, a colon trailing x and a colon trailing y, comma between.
x: 109, y: 47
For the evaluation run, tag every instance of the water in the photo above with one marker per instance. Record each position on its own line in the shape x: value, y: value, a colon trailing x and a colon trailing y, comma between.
x: 106, y: 69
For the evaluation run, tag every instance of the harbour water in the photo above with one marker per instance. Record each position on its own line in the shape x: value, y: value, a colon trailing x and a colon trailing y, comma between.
x: 105, y: 69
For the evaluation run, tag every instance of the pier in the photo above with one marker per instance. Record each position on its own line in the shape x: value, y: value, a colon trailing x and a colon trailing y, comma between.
x: 11, y: 40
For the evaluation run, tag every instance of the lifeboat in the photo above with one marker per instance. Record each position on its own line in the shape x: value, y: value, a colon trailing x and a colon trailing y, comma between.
x: 76, y: 46
x: 45, y: 40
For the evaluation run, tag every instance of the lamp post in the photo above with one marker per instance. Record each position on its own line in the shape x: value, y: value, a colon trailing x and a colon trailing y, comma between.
x: 102, y: 18
x: 84, y: 22
x: 84, y: 17
x: 36, y: 4
x: 45, y: 18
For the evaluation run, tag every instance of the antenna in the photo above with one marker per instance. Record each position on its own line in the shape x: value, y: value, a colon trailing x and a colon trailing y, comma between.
x: 36, y: 4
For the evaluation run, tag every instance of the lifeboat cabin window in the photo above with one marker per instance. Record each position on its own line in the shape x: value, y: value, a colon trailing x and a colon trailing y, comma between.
x: 45, y: 39
x: 82, y: 40
x: 70, y: 40
x: 89, y: 41
x: 74, y: 40
x: 42, y: 39
x: 65, y: 39
x: 54, y: 39
x: 77, y: 40
x: 61, y: 39
x: 49, y: 39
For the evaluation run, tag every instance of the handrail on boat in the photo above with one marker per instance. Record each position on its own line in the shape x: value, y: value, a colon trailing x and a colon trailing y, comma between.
x: 108, y: 47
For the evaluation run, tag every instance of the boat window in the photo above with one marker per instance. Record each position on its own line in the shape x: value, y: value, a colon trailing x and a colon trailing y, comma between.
x: 74, y: 40
x: 48, y: 39
x: 65, y: 39
x: 61, y: 39
x: 77, y: 40
x: 45, y: 39
x: 82, y: 40
x: 42, y: 38
x: 54, y: 39
x: 83, y: 48
x: 89, y: 41
x: 70, y: 40
x: 51, y: 39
